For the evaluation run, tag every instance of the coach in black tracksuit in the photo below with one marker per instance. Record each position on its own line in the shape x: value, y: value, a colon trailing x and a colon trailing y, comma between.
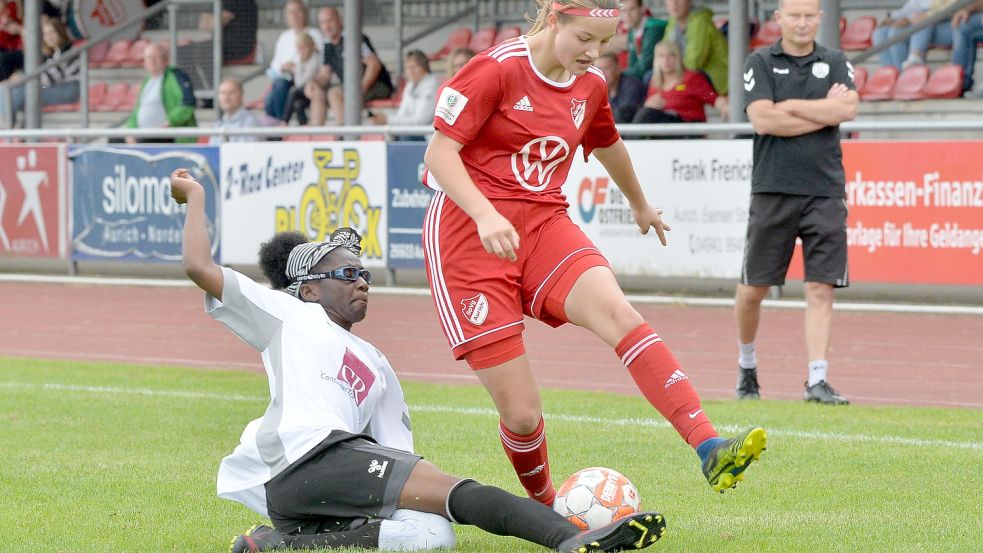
x: 796, y: 95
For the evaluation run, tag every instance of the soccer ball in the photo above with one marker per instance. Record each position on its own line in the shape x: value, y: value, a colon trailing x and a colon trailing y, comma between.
x: 596, y: 496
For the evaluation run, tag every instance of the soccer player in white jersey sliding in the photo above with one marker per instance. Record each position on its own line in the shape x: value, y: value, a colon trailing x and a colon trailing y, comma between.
x: 331, y: 461
x: 499, y: 244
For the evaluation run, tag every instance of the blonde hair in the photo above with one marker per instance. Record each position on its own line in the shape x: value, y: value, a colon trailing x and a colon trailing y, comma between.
x: 546, y: 7
x: 304, y: 39
x: 658, y: 77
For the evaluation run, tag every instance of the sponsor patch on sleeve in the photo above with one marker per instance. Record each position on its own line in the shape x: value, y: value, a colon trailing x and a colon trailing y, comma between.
x: 450, y: 105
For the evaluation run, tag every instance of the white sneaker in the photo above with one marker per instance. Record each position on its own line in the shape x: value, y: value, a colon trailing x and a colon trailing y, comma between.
x: 913, y: 59
x: 975, y: 94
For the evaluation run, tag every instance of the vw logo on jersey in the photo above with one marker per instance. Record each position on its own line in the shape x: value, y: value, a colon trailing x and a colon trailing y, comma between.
x: 534, y: 164
x: 820, y: 69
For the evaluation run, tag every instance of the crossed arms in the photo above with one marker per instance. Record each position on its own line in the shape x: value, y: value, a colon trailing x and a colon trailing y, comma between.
x: 798, y: 117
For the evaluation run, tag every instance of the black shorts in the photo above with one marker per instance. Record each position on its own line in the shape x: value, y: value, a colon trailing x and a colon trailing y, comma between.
x: 340, y: 484
x: 775, y: 222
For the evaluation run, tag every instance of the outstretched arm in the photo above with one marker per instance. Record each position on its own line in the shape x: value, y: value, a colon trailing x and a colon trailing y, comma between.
x: 617, y: 162
x: 196, y: 247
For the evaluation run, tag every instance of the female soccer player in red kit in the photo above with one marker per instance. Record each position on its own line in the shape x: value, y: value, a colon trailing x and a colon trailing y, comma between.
x: 499, y: 244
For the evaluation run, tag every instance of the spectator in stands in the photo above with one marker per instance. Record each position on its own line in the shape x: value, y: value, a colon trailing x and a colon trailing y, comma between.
x: 326, y: 90
x: 644, y: 32
x: 11, y: 52
x: 677, y: 94
x: 305, y: 66
x: 912, y: 52
x: 239, y: 28
x: 912, y: 12
x: 59, y: 84
x: 281, y: 67
x: 625, y: 93
x: 234, y: 114
x: 419, y: 97
x: 458, y: 58
x: 967, y: 25
x: 703, y: 46
x: 166, y: 98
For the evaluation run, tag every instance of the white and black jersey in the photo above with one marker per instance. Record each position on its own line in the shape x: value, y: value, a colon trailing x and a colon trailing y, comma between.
x: 810, y: 164
x: 321, y: 378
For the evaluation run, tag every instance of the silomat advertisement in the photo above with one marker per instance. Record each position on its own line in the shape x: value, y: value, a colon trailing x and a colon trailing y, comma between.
x: 310, y: 187
x: 122, y: 207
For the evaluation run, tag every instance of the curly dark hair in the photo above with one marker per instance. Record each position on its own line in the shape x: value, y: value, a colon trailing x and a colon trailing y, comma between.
x: 273, y: 256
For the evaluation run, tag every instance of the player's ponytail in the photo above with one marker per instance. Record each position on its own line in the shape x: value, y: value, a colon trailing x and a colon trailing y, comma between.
x: 273, y: 256
x: 546, y: 6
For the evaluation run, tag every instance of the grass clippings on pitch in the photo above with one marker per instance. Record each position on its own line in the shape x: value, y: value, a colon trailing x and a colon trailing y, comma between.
x: 121, y: 458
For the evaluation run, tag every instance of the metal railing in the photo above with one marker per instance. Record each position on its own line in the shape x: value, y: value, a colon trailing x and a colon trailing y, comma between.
x: 82, y: 51
x: 719, y: 130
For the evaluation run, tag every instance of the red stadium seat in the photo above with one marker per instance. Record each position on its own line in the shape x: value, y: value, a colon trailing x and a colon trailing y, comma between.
x: 116, y: 55
x: 945, y: 82
x: 130, y: 98
x: 97, y: 54
x: 860, y: 77
x: 373, y: 137
x: 910, y: 83
x: 767, y: 34
x: 390, y: 102
x: 297, y: 138
x: 880, y: 84
x: 97, y: 93
x: 113, y: 97
x: 483, y: 39
x: 459, y: 38
x: 505, y: 33
x: 134, y: 57
x: 859, y: 33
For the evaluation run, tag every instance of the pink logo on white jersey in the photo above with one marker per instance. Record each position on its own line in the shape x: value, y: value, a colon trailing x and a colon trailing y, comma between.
x: 357, y: 375
x: 540, y: 156
x: 475, y: 309
x: 577, y: 110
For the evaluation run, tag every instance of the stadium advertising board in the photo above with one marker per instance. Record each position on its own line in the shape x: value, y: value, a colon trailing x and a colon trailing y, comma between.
x: 408, y: 201
x: 122, y: 207
x: 33, y: 201
x: 313, y: 187
x: 916, y: 212
x: 705, y: 193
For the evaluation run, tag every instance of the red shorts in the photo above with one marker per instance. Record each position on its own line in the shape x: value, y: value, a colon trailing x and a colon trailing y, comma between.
x: 480, y: 298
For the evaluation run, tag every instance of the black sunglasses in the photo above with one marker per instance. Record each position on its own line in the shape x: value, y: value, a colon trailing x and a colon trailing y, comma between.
x: 351, y: 274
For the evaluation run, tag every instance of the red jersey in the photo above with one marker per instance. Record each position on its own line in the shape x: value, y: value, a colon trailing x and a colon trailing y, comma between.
x: 688, y: 97
x: 520, y: 129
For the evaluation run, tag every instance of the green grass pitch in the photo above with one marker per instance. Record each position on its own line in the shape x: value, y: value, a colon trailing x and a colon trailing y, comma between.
x: 97, y: 457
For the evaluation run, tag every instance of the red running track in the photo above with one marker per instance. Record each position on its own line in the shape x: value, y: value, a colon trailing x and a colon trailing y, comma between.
x: 877, y: 358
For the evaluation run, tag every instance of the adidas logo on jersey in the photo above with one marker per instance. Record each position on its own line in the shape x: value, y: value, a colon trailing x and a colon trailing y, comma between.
x: 523, y: 104
x: 677, y: 376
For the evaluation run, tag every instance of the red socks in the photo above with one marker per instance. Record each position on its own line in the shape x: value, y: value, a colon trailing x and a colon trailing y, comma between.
x: 531, y: 462
x: 664, y: 384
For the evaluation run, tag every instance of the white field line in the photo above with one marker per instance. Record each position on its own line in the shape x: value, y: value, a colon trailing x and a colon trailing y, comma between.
x: 634, y: 298
x: 485, y: 412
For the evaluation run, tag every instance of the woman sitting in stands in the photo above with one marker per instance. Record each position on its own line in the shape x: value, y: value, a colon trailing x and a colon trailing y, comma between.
x: 59, y: 83
x: 678, y: 95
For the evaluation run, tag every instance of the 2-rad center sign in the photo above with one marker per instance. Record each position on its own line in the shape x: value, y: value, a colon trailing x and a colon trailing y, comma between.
x: 122, y: 207
x: 313, y: 188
